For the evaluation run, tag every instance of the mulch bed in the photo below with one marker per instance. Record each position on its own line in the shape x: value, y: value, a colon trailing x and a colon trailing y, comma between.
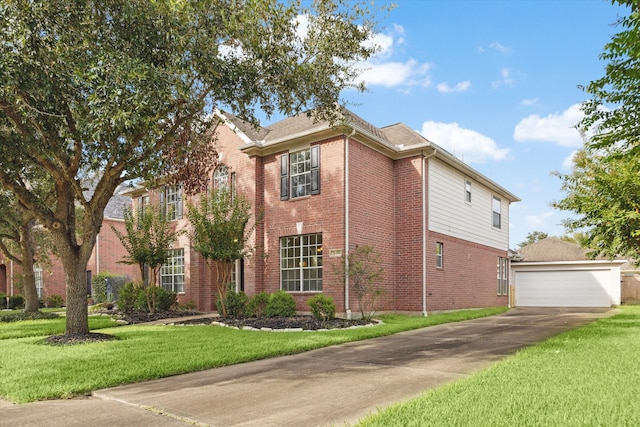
x: 307, y: 323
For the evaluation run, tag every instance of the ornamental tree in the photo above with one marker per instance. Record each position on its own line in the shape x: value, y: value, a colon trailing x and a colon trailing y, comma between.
x: 148, y: 239
x: 125, y: 90
x: 219, y: 233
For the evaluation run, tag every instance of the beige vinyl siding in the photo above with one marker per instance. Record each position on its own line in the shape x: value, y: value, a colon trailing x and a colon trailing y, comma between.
x: 450, y: 214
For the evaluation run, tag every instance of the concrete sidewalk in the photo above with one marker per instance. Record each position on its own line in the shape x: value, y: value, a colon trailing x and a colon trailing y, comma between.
x: 331, y: 386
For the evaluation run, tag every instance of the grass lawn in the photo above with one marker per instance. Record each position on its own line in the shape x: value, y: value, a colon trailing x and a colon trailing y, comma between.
x: 33, y: 370
x: 585, y: 377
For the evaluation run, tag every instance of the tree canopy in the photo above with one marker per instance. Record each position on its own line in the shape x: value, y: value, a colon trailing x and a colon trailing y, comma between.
x: 533, y: 237
x: 125, y: 90
x: 604, y: 187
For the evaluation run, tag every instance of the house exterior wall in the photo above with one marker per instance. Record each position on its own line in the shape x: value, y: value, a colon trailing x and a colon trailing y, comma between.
x: 322, y: 213
x: 468, y: 278
x: 408, y: 189
x: 386, y: 210
x: 109, y: 252
x: 450, y: 214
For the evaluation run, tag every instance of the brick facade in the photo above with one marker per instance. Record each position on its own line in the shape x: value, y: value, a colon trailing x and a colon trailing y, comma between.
x: 380, y: 176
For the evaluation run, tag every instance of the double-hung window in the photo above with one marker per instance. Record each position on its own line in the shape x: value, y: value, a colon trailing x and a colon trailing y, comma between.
x: 301, y: 263
x: 467, y: 191
x: 171, y: 202
x: 439, y: 255
x: 172, y: 272
x: 300, y: 173
x: 497, y: 212
x: 503, y: 276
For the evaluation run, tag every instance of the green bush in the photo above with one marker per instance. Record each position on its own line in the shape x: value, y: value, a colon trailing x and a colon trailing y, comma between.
x: 133, y: 297
x: 130, y: 294
x: 281, y: 304
x: 165, y: 300
x: 22, y: 315
x: 257, y: 305
x: 322, y: 307
x: 15, y: 302
x: 236, y: 304
x: 53, y: 301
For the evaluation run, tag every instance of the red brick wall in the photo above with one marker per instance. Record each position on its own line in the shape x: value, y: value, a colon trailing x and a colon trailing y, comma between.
x: 409, y: 233
x: 372, y: 210
x: 322, y: 213
x: 468, y: 278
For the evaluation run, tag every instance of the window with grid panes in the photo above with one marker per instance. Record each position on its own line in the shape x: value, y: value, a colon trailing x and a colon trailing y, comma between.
x: 172, y: 272
x: 301, y: 263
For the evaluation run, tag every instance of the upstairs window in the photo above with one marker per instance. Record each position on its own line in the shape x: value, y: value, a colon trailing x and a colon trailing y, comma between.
x: 221, y: 178
x: 300, y: 173
x: 467, y: 191
x: 171, y: 202
x: 497, y: 212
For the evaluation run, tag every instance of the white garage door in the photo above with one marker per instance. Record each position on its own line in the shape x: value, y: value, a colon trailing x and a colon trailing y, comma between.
x: 577, y: 288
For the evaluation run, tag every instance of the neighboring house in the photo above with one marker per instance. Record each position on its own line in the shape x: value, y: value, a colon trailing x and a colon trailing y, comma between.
x: 556, y: 273
x: 106, y: 257
x: 441, y: 227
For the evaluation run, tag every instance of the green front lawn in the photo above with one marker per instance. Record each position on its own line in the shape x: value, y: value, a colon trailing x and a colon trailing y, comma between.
x: 585, y: 377
x: 32, y: 370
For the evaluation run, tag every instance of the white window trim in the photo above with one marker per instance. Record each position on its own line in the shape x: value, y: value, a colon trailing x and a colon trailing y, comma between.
x: 299, y: 262
x: 175, y: 270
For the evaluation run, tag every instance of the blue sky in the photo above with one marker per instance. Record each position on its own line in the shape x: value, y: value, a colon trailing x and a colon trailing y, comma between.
x: 496, y: 84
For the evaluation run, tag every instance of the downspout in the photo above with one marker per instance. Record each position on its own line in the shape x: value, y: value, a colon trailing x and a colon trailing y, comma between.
x: 424, y: 232
x: 346, y: 224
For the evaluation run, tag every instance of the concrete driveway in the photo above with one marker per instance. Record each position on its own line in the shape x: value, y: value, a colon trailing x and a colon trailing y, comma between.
x: 329, y: 386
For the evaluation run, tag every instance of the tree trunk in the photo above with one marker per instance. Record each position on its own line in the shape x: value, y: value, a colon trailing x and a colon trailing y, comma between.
x: 76, y: 287
x: 74, y: 260
x: 27, y: 250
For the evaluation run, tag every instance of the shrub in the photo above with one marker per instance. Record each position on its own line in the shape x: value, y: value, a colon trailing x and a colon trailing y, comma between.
x: 165, y: 300
x: 236, y: 304
x: 322, y: 307
x: 257, y: 305
x: 281, y: 304
x: 22, y: 315
x: 187, y: 306
x: 53, y: 301
x: 133, y: 297
x: 129, y: 296
x: 15, y: 302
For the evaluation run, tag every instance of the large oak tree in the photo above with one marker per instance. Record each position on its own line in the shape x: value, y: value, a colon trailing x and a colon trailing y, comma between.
x: 123, y: 89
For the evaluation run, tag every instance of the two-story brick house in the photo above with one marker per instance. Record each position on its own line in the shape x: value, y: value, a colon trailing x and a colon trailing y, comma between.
x: 441, y: 227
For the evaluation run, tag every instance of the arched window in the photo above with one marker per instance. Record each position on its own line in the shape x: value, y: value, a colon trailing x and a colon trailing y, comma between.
x: 221, y: 178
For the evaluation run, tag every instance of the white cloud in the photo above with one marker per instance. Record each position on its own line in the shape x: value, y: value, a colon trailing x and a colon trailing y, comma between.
x: 505, y: 79
x: 390, y: 74
x: 467, y: 144
x: 539, y: 221
x: 459, y: 87
x: 533, y: 101
x: 500, y: 47
x: 380, y: 70
x: 555, y: 128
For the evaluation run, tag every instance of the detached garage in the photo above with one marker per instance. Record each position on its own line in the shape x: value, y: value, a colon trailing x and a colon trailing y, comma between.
x: 542, y: 278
